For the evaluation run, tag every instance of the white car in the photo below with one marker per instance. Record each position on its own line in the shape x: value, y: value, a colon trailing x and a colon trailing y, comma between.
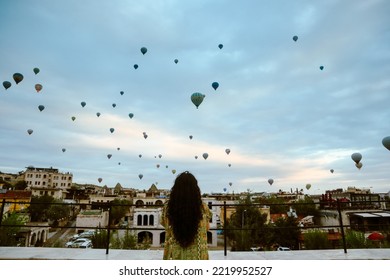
x: 79, y: 243
x: 87, y: 234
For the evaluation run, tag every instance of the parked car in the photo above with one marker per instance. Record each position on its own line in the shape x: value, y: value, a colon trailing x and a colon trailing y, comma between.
x: 87, y: 234
x: 79, y: 243
x: 283, y: 249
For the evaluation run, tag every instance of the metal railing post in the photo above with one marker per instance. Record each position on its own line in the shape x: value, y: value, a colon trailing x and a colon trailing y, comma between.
x: 341, y: 226
x: 224, y: 229
x: 108, y: 229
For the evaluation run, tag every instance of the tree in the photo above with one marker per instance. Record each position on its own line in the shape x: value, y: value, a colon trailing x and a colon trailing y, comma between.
x: 128, y: 241
x: 5, y: 185
x: 20, y: 185
x: 286, y: 232
x: 246, y: 227
x: 9, y: 230
x: 119, y: 209
x: 316, y: 239
x: 39, y: 206
x: 277, y: 205
x: 99, y: 239
x: 57, y: 212
x: 355, y: 239
x: 305, y: 207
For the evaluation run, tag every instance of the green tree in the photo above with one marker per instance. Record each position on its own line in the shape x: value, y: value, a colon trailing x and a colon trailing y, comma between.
x: 277, y: 205
x: 305, y: 207
x: 286, y: 232
x: 316, y: 239
x: 57, y: 212
x: 246, y: 227
x: 10, y: 228
x: 355, y: 239
x: 128, y: 241
x: 119, y: 209
x: 99, y: 239
x: 39, y: 206
x: 5, y: 185
x: 20, y: 185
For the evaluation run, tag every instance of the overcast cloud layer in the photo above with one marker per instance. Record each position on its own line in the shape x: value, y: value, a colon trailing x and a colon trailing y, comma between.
x: 278, y: 113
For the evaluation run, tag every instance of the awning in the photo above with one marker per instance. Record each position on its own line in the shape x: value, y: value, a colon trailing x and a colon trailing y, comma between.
x: 383, y: 214
x: 365, y: 215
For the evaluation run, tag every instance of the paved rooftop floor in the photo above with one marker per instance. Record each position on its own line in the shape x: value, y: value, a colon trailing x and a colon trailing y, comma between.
x: 42, y: 253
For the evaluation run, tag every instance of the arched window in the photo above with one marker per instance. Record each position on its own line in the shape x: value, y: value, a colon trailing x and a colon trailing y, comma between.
x: 139, y: 220
x: 151, y: 220
x: 139, y: 203
x: 145, y: 220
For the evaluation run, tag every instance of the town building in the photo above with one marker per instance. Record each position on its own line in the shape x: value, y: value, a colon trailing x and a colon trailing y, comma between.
x: 47, y: 178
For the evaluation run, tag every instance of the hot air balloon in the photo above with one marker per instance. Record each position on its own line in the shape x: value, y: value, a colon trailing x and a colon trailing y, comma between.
x: 205, y: 155
x: 98, y: 114
x: 135, y: 66
x: 18, y: 78
x: 118, y: 148
x: 63, y: 150
x: 131, y: 115
x: 230, y: 183
x: 176, y: 61
x: 83, y: 104
x: 6, y: 84
x: 224, y: 189
x: 308, y: 186
x: 109, y: 156
x: 215, y: 85
x: 190, y: 136
x: 145, y: 136
x: 270, y: 181
x: 356, y: 157
x: 112, y: 130
x: 229, y: 165
x: 30, y: 131
x: 73, y: 118
x: 36, y: 70
x: 331, y: 171
x: 100, y: 180
x: 173, y: 171
x: 38, y: 87
x: 196, y: 157
x: 197, y: 98
x: 159, y: 155
x: 144, y: 50
x: 121, y: 92
x: 41, y: 108
x: 113, y: 105
x: 295, y: 38
x: 158, y: 165
x: 321, y: 67
x: 220, y: 46
x: 386, y: 142
x: 140, y: 176
x: 227, y: 151
x: 359, y: 165
x: 140, y: 156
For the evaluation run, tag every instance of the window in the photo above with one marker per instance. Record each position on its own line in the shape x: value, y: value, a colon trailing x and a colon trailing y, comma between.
x: 139, y: 220
x: 145, y: 220
x: 151, y: 220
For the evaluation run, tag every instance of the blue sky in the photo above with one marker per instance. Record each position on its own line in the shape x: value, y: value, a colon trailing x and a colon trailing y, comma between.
x: 279, y: 114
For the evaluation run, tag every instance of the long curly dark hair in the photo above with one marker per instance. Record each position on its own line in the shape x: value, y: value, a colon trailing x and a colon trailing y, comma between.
x: 185, y: 208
